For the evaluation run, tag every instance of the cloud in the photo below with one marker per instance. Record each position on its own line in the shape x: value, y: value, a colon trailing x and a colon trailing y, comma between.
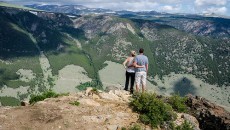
x: 221, y: 10
x: 210, y: 2
x: 168, y: 8
x: 134, y: 6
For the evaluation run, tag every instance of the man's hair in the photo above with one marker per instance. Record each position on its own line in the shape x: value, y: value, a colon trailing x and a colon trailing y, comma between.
x: 141, y: 50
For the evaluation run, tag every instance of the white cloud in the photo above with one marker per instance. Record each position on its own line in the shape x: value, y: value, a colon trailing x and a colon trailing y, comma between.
x: 134, y: 6
x: 168, y: 8
x: 221, y: 10
x: 210, y: 2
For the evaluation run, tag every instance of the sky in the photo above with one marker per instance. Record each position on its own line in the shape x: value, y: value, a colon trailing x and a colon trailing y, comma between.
x: 220, y: 7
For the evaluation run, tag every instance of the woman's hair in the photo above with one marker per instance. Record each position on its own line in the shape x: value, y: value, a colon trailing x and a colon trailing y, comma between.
x: 133, y: 53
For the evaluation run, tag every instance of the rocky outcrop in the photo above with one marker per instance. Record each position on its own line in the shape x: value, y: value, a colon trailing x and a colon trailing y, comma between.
x: 96, y: 110
x: 209, y: 115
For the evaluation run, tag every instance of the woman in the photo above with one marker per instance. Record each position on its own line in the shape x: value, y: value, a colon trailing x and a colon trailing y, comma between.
x: 130, y: 71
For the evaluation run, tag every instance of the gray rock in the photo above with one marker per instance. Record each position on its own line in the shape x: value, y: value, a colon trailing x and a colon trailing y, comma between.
x: 112, y: 127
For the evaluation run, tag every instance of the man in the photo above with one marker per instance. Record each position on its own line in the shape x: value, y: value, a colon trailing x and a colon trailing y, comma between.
x: 141, y: 65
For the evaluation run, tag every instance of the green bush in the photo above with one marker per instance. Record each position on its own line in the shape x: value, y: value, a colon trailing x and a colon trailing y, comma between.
x: 43, y: 96
x: 184, y: 126
x: 152, y: 110
x: 135, y: 127
x: 178, y: 103
x: 95, y: 91
x: 123, y: 128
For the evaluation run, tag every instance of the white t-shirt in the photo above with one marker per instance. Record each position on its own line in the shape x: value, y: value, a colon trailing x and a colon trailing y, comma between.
x: 130, y: 69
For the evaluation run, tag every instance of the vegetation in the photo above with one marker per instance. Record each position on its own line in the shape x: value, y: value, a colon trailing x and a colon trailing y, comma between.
x: 9, y: 101
x: 75, y: 103
x: 152, y: 110
x: 133, y: 127
x: 184, y: 126
x: 95, y: 91
x: 43, y: 96
x: 96, y: 84
x: 178, y: 103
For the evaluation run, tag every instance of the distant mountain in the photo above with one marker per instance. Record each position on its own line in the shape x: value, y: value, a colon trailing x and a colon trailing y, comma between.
x: 5, y: 4
x: 196, y: 24
x: 70, y: 9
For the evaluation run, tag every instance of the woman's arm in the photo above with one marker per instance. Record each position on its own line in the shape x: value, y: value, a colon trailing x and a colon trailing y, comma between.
x: 124, y: 63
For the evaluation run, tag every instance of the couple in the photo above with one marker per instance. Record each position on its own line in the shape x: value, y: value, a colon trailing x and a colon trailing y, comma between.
x: 136, y: 69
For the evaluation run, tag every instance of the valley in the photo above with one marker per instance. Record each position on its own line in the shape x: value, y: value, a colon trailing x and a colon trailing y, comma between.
x: 45, y: 50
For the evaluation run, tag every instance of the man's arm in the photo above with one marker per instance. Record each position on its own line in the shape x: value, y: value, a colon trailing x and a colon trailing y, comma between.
x: 138, y: 66
x: 147, y: 67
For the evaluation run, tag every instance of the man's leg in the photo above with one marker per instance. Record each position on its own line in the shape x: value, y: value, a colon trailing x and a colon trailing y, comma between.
x: 137, y: 80
x: 143, y: 81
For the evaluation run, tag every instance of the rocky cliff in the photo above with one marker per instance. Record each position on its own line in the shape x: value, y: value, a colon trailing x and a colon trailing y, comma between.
x: 98, y: 110
x: 209, y: 115
x: 105, y: 110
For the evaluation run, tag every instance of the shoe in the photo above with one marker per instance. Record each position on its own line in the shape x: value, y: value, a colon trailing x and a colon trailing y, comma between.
x: 125, y: 89
x: 131, y: 91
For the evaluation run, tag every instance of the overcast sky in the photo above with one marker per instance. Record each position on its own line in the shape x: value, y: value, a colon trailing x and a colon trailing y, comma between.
x: 221, y: 7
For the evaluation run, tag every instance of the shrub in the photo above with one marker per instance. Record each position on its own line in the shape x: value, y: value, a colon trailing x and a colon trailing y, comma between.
x: 95, y: 91
x: 75, y: 103
x: 152, y: 110
x: 178, y: 103
x: 135, y: 127
x: 43, y: 96
x: 95, y: 84
x: 184, y: 126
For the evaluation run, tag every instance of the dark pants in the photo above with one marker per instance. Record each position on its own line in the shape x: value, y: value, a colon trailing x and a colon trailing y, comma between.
x: 128, y: 76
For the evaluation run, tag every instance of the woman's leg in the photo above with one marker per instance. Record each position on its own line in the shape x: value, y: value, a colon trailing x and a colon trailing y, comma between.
x: 127, y: 81
x: 132, y: 82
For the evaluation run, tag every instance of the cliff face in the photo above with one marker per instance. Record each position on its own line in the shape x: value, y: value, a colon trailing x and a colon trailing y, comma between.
x: 209, y: 115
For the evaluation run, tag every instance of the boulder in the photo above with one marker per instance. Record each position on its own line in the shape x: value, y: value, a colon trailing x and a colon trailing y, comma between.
x: 25, y: 103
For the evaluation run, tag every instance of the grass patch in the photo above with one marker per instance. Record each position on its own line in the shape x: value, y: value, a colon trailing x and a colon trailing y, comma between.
x: 9, y: 101
x: 133, y: 127
x: 43, y: 96
x: 152, y: 110
x: 96, y: 84
x: 75, y: 103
